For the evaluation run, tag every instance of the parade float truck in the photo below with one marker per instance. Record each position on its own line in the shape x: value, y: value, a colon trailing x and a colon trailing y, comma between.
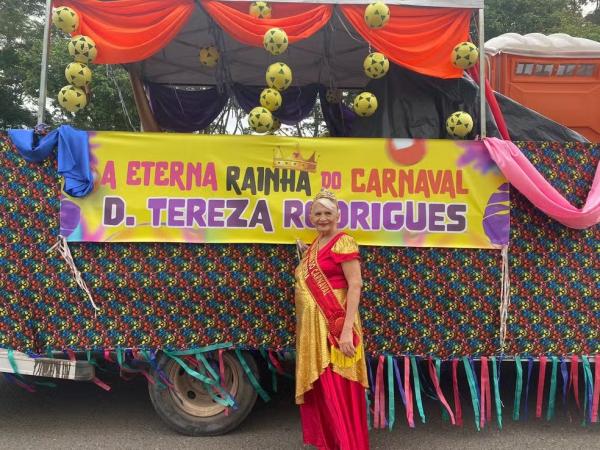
x: 171, y: 255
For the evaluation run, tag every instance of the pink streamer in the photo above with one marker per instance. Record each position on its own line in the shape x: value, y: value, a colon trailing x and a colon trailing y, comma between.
x: 596, y: 389
x: 379, y: 413
x: 526, y: 178
x: 540, y: 388
x: 457, y: 405
x: 485, y: 410
x: 410, y: 416
x: 222, y: 375
x: 438, y: 391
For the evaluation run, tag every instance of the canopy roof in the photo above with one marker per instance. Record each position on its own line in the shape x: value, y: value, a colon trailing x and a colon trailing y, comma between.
x: 160, y: 41
x: 432, y: 3
x: 557, y: 45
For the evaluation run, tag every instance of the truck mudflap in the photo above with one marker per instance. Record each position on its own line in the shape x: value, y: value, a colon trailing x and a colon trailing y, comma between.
x: 22, y: 364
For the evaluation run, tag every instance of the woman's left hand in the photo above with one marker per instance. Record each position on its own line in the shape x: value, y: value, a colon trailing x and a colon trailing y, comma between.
x: 346, y: 343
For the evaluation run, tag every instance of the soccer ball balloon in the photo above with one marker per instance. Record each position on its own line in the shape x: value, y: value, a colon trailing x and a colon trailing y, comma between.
x: 377, y: 15
x: 464, y: 55
x: 276, y: 124
x: 365, y: 104
x: 78, y: 74
x: 260, y: 10
x: 333, y: 95
x: 279, y: 76
x: 209, y: 56
x: 459, y: 124
x: 376, y: 65
x: 260, y: 119
x: 275, y: 41
x: 270, y: 99
x: 65, y: 18
x: 82, y: 49
x: 72, y: 98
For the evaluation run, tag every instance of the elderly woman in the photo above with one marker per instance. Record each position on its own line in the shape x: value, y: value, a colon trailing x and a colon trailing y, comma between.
x: 331, y: 374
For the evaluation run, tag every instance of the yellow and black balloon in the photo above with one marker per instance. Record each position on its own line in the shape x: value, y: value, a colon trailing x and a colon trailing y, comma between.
x: 365, y: 104
x: 72, y: 98
x: 464, y: 55
x: 260, y: 10
x: 260, y: 120
x: 377, y: 15
x: 279, y: 76
x: 65, y: 19
x: 459, y: 124
x: 209, y: 56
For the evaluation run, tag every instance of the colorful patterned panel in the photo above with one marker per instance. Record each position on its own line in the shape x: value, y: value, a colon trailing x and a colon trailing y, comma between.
x: 416, y: 300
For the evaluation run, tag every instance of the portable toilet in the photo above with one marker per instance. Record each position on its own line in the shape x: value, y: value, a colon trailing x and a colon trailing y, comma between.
x: 556, y: 75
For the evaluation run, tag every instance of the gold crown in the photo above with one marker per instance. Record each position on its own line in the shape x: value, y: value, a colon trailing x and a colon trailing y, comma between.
x: 325, y: 193
x: 295, y: 161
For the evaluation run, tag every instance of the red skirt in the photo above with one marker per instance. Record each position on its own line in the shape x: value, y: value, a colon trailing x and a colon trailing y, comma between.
x: 334, y: 414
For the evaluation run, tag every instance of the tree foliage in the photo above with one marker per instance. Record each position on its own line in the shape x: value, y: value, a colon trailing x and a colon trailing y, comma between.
x: 535, y: 16
x: 111, y: 105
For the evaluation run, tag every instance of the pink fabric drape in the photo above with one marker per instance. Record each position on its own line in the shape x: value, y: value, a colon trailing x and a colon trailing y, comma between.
x: 334, y: 414
x: 526, y: 178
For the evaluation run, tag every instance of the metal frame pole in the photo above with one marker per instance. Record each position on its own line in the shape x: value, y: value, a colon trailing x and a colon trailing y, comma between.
x: 44, y: 70
x: 482, y: 77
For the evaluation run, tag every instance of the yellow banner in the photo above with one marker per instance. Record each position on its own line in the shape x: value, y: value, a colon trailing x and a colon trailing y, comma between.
x: 195, y: 188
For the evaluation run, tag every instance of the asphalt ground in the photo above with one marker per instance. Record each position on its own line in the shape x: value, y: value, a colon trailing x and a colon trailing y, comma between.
x: 81, y: 415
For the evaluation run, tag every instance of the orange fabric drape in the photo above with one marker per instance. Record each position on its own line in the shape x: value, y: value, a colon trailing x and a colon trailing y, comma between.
x: 420, y: 39
x: 299, y: 20
x: 129, y: 30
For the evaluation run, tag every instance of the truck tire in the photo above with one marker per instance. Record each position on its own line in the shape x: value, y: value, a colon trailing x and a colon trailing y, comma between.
x: 189, y: 409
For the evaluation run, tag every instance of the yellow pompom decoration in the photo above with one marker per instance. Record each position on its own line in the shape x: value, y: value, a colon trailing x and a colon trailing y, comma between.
x: 377, y: 15
x: 82, y: 49
x: 260, y: 10
x: 78, y: 74
x: 464, y: 55
x: 279, y: 76
x: 260, y: 119
x: 271, y: 99
x: 65, y: 18
x: 333, y: 95
x: 459, y: 124
x: 209, y: 56
x: 365, y: 104
x: 376, y: 65
x: 72, y: 98
x: 276, y: 124
x: 275, y: 41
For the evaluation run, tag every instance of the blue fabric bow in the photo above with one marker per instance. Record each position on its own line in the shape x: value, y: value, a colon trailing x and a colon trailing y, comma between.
x: 73, y: 155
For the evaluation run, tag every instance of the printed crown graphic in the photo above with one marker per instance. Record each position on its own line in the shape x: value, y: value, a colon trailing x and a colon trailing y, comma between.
x: 295, y: 161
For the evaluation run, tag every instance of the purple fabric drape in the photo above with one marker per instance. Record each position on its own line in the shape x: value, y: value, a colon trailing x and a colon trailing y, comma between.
x: 298, y: 102
x: 185, y: 111
x: 338, y: 117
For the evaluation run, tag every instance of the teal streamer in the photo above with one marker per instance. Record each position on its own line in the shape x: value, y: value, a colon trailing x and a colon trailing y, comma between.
x: 518, y: 388
x: 217, y: 379
x: 49, y: 353
x: 473, y: 389
x: 391, y: 399
x: 208, y: 348
x: 438, y: 370
x: 589, y: 390
x: 227, y: 400
x: 13, y: 363
x: 497, y: 400
x: 552, y: 396
x: 255, y: 384
x: 417, y: 385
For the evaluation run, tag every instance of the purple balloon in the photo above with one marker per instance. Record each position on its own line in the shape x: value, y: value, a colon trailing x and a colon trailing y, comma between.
x: 70, y: 215
x: 496, y: 217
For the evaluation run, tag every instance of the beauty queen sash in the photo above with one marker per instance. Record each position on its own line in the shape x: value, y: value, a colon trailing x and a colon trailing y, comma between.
x: 330, y: 306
